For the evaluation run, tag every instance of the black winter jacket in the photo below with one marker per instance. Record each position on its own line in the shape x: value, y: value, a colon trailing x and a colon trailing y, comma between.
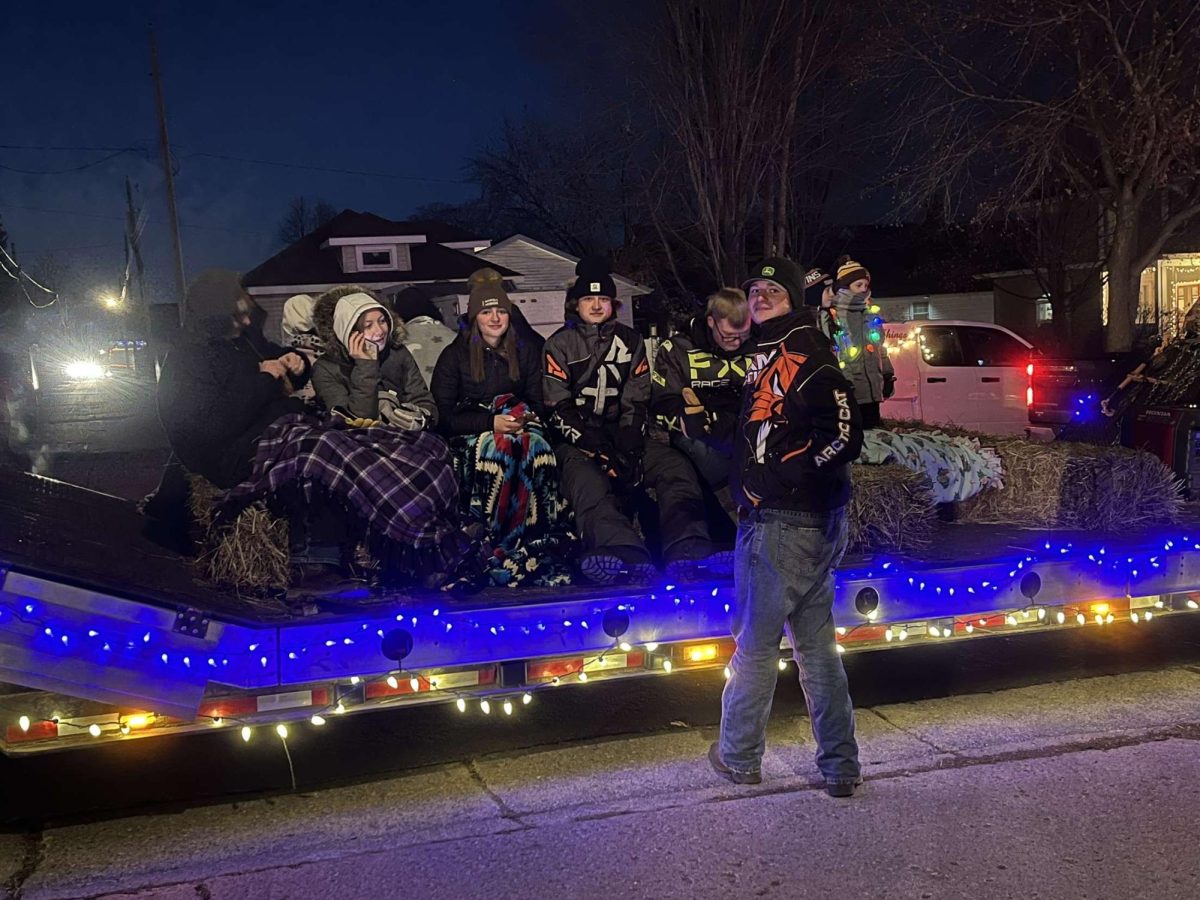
x: 597, y: 385
x: 214, y: 403
x: 800, y: 425
x: 465, y: 405
x: 692, y: 359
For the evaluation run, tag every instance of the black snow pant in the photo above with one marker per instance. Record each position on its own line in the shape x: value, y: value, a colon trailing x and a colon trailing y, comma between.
x: 598, y: 515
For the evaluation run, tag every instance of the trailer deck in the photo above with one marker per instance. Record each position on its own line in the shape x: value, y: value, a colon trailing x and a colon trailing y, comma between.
x: 111, y: 636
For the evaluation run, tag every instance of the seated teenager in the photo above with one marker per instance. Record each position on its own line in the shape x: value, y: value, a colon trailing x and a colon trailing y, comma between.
x: 597, y: 388
x: 300, y: 334
x: 488, y: 388
x: 222, y: 387
x: 697, y: 384
x: 366, y: 373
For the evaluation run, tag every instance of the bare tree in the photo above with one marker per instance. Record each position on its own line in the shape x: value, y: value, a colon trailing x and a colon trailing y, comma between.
x: 1009, y: 102
x: 729, y: 85
x: 303, y: 218
x: 561, y: 183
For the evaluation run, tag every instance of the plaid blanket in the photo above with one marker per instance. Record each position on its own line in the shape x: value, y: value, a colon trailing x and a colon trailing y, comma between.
x: 400, y: 483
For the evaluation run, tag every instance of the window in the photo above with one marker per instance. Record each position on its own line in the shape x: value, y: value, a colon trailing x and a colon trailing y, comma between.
x: 991, y: 347
x: 940, y: 345
x: 376, y: 257
x: 918, y: 310
x: 1045, y: 311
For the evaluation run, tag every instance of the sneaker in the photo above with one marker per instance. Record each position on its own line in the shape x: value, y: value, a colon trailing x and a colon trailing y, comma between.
x: 616, y: 565
x: 696, y: 559
x: 842, y: 788
x: 714, y: 760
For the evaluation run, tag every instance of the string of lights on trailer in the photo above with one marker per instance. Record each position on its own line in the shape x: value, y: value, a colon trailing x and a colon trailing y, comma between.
x: 615, y: 623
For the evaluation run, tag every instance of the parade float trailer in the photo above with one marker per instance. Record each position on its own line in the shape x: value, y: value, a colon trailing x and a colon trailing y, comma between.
x: 105, y: 636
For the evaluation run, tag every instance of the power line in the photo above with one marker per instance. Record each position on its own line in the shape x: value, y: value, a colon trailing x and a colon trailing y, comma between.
x: 288, y: 165
x: 69, y: 169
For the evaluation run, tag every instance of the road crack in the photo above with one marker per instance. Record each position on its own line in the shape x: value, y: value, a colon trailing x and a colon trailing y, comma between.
x: 911, y: 733
x: 33, y: 853
x: 506, y: 812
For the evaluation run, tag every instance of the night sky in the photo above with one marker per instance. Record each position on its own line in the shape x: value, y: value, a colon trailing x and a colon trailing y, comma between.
x: 407, y: 89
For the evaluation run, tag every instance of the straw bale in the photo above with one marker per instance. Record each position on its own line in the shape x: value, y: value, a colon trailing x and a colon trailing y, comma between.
x: 1071, y: 485
x: 891, y: 508
x: 251, y: 553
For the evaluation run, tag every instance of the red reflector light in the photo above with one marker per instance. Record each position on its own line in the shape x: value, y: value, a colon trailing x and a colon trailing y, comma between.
x: 229, y: 706
x: 556, y: 668
x: 38, y: 731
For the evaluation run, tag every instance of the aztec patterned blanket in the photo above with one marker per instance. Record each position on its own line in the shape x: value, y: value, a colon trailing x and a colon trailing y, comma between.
x: 957, y: 467
x: 509, y: 482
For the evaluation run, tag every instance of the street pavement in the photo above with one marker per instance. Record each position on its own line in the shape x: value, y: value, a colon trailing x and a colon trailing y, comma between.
x: 1085, y: 788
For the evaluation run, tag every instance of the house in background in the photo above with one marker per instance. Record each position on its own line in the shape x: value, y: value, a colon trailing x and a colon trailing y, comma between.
x: 388, y: 257
x: 362, y: 248
x: 972, y: 306
x: 545, y: 272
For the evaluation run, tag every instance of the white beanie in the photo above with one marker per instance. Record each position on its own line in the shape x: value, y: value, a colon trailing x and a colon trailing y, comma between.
x: 297, y: 317
x: 347, y: 311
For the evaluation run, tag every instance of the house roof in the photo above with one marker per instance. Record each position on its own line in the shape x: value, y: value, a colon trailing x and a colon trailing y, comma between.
x: 510, y: 251
x: 306, y: 263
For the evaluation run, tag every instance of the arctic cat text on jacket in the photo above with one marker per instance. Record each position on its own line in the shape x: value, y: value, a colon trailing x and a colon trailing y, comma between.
x: 800, y: 424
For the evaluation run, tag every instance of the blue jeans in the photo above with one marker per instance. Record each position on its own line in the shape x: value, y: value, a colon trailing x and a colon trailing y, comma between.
x: 784, y: 579
x: 712, y: 464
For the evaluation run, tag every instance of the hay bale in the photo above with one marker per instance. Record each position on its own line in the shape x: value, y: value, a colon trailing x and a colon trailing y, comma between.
x: 250, y: 554
x: 1071, y: 485
x: 891, y: 508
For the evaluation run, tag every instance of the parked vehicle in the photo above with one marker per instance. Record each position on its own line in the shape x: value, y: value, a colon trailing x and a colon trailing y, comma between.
x: 972, y: 375
x: 1067, y: 393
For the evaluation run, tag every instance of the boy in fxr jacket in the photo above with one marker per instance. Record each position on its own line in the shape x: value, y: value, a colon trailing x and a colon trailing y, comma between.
x: 800, y: 428
x: 597, y: 391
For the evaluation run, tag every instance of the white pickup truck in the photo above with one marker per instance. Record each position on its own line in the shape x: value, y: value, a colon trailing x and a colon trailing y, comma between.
x: 973, y: 375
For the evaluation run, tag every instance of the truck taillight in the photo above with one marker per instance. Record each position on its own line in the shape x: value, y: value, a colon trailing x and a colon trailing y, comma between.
x: 1029, y: 370
x: 1029, y: 387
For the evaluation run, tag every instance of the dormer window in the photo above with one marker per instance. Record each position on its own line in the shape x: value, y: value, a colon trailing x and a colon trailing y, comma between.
x: 376, y: 258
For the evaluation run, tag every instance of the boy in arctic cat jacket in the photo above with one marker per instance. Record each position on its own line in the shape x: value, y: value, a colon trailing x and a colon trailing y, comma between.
x: 597, y: 391
x: 697, y: 384
x: 800, y: 428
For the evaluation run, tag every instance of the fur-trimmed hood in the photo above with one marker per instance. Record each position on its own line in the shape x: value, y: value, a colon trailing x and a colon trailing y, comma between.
x: 327, y: 303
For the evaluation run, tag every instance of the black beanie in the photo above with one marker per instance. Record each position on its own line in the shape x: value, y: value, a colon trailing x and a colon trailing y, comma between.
x: 785, y: 273
x: 593, y: 280
x: 412, y: 302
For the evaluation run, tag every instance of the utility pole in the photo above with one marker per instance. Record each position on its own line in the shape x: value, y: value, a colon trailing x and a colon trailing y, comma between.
x: 165, y: 147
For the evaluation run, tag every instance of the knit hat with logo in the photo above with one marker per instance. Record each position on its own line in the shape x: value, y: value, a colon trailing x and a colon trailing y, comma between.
x: 487, y: 292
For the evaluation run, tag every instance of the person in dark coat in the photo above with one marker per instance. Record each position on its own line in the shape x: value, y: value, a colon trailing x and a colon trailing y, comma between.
x: 597, y: 387
x: 221, y: 387
x: 488, y: 389
x: 696, y: 389
x: 224, y: 383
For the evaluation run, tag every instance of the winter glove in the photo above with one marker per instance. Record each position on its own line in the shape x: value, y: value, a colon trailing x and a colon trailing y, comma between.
x: 695, y: 419
x: 627, y: 469
x: 405, y: 416
x: 889, y: 385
